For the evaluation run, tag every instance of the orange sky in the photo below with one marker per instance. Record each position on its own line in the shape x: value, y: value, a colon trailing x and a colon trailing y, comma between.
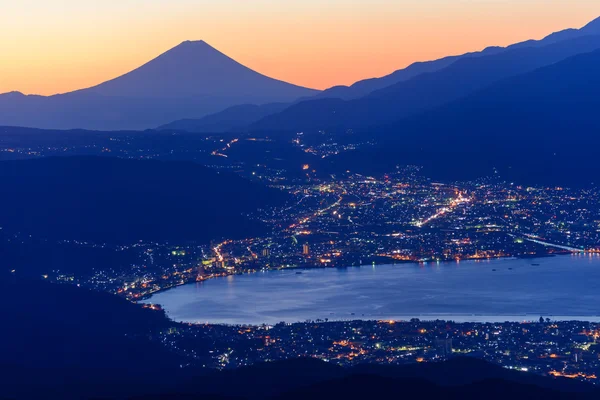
x: 54, y: 46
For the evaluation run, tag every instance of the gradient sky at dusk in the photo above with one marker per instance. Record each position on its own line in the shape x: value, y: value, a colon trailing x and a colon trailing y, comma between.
x: 54, y: 46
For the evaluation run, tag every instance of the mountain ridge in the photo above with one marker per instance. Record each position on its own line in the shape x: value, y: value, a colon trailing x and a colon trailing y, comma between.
x: 534, y: 122
x: 365, y: 86
x: 423, y: 92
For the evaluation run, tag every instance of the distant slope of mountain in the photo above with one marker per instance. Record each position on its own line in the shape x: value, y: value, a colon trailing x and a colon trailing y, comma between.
x: 423, y: 92
x: 540, y: 127
x: 364, y: 87
x: 189, y: 81
x: 228, y: 120
x: 119, y: 200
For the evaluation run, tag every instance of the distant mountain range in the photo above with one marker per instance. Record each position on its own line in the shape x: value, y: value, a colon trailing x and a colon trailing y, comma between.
x: 420, y: 86
x: 188, y: 81
x: 463, y: 76
x: 364, y: 87
x: 539, y: 127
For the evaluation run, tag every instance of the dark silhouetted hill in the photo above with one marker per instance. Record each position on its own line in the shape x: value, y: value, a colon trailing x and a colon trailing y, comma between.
x: 367, y: 386
x: 119, y: 200
x: 541, y: 127
x: 234, y: 118
x: 460, y: 371
x: 189, y: 81
x: 60, y: 340
x: 424, y: 92
x: 307, y: 378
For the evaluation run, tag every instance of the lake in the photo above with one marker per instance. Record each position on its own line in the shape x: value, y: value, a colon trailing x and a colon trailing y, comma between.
x: 564, y: 287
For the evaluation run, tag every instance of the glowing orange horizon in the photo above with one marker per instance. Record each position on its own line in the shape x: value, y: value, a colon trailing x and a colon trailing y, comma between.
x: 54, y: 49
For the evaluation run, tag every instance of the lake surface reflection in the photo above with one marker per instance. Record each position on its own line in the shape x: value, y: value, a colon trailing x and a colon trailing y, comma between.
x: 565, y: 287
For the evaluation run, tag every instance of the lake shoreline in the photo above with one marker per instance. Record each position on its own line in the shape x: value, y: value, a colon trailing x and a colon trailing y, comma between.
x: 514, y: 289
x: 318, y: 267
x: 462, y: 319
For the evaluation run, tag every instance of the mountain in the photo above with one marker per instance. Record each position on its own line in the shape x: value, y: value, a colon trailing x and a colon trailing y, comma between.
x: 364, y: 87
x: 228, y: 120
x: 423, y: 92
x: 538, y: 128
x: 115, y: 200
x: 195, y: 69
x: 189, y: 81
x: 592, y: 28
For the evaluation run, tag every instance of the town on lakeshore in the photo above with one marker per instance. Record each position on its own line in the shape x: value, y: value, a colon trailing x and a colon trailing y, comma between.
x: 566, y: 348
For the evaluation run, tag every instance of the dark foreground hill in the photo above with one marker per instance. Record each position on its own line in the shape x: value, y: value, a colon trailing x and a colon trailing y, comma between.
x: 57, y: 339
x: 369, y: 386
x: 539, y: 128
x: 311, y: 378
x: 118, y: 200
